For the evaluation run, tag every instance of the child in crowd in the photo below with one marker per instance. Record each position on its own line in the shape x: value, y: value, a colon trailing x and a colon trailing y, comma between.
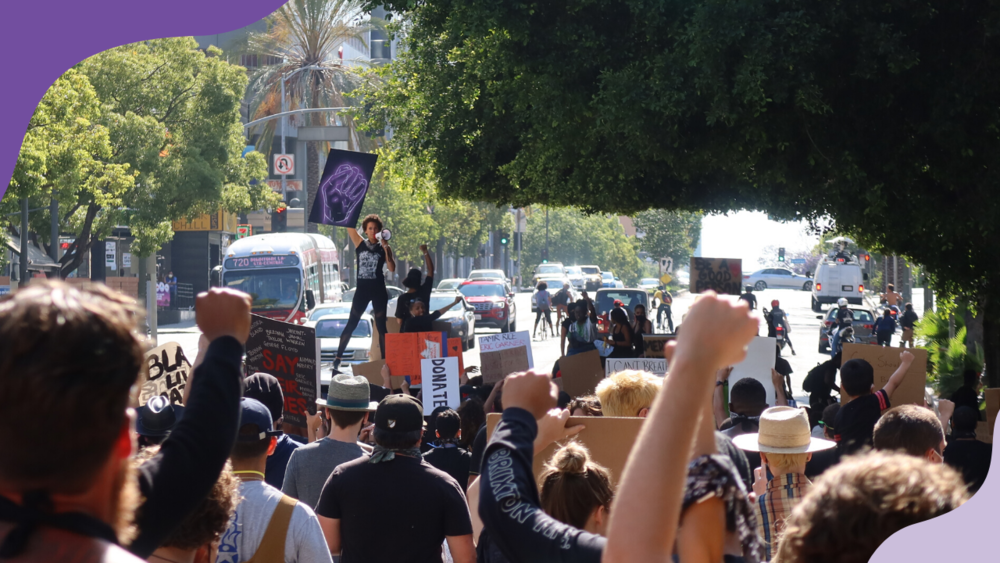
x: 857, y: 417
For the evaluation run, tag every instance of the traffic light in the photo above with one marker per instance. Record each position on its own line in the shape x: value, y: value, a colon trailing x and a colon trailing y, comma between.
x: 504, y: 238
x: 781, y: 254
x: 545, y: 255
x: 279, y: 219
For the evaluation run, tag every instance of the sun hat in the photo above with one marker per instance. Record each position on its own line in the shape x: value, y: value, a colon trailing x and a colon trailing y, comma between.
x: 348, y: 393
x: 783, y: 430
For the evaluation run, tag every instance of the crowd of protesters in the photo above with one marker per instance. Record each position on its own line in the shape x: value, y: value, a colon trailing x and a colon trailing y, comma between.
x: 215, y: 480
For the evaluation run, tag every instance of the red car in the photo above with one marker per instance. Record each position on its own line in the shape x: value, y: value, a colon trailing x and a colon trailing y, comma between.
x: 493, y: 302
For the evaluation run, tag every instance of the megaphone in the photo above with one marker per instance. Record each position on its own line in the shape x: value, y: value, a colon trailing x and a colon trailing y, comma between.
x: 386, y: 234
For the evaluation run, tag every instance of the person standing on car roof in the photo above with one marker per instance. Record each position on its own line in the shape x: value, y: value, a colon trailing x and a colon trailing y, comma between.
x: 844, y: 319
x: 778, y: 318
x: 414, y: 289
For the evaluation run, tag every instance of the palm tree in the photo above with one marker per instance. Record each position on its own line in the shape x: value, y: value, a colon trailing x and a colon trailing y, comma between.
x: 307, y: 34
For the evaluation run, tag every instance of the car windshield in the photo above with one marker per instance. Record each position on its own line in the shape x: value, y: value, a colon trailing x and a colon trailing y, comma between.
x: 649, y: 281
x: 550, y: 269
x: 590, y: 270
x: 333, y: 328
x: 439, y: 301
x: 323, y: 311
x: 573, y: 271
x: 269, y: 289
x: 449, y: 284
x: 606, y: 299
x: 860, y: 315
x: 608, y: 275
x: 482, y: 290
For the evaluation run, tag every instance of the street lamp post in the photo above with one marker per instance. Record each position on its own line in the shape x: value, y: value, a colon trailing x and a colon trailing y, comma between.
x: 284, y: 118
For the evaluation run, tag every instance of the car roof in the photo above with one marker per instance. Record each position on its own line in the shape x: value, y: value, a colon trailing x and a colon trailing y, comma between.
x: 869, y: 311
x: 483, y: 282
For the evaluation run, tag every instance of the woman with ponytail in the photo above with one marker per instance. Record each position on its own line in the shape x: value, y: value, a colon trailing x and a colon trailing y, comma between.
x: 575, y: 490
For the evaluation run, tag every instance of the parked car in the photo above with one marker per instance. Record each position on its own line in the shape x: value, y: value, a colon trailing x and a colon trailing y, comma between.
x: 592, y: 277
x: 576, y: 277
x: 605, y: 299
x: 649, y: 284
x: 608, y: 279
x: 493, y: 302
x: 458, y: 322
x: 392, y: 291
x: 328, y: 331
x: 450, y: 284
x: 546, y: 271
x: 329, y: 309
x: 777, y: 278
x: 836, y: 278
x: 477, y: 275
x: 864, y: 322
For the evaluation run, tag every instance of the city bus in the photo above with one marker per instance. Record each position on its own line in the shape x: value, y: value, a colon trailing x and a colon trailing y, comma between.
x: 287, y: 274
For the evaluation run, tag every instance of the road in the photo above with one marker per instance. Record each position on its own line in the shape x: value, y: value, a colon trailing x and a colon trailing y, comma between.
x: 804, y: 332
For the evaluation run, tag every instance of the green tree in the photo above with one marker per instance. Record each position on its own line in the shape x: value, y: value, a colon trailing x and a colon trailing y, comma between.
x: 667, y: 233
x: 880, y: 116
x: 303, y: 36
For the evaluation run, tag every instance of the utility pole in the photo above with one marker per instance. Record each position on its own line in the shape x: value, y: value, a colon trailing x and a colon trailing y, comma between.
x: 520, y: 243
x: 54, y: 228
x: 22, y: 279
x: 546, y: 231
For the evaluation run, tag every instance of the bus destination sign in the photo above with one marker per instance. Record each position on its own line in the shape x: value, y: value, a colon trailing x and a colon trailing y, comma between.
x: 263, y: 261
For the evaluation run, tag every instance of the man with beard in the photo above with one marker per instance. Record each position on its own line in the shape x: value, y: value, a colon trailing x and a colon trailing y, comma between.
x: 70, y: 358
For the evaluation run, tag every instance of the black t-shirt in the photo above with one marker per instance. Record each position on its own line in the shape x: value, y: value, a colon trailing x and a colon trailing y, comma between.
x: 361, y: 495
x: 423, y: 323
x: 561, y: 297
x: 908, y: 318
x: 423, y: 293
x: 274, y: 470
x: 971, y: 458
x: 478, y: 447
x: 751, y: 299
x: 452, y: 460
x: 856, y: 421
x: 371, y: 260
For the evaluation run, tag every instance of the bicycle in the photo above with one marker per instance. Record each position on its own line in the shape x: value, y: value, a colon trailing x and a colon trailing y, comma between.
x: 543, y: 318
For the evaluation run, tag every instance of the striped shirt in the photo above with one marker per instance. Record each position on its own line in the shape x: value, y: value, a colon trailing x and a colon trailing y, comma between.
x: 783, y: 493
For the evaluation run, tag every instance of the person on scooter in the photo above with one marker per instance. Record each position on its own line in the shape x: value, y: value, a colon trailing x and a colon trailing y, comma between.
x: 750, y: 298
x: 843, y: 319
x: 778, y: 318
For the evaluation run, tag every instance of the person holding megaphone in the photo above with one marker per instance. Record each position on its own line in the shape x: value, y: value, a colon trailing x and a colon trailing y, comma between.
x: 373, y: 254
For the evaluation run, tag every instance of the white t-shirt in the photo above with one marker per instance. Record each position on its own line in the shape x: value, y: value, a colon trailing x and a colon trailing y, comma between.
x: 303, y: 544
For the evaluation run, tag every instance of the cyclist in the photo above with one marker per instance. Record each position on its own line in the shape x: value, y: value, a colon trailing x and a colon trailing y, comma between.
x: 560, y: 300
x: 543, y: 305
x: 844, y: 319
x: 778, y: 318
x: 664, y: 309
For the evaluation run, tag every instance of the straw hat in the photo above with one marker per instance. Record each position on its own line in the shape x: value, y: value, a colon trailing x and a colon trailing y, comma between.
x: 783, y: 430
x: 348, y: 393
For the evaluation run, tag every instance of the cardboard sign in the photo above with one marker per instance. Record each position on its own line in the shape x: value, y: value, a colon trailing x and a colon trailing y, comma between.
x: 721, y: 275
x: 440, y: 376
x: 984, y: 432
x: 608, y: 438
x: 581, y: 373
x: 288, y: 352
x: 342, y: 188
x: 407, y: 350
x: 168, y: 375
x: 884, y: 361
x: 503, y: 354
x: 992, y: 406
x: 758, y: 365
x: 392, y: 326
x: 655, y: 366
x: 372, y: 371
x: 655, y: 343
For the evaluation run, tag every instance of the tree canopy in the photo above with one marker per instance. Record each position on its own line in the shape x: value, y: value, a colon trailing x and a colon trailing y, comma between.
x: 666, y: 233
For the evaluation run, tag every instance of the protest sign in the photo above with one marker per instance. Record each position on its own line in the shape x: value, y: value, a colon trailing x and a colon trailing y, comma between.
x: 372, y: 371
x: 758, y: 365
x: 655, y: 366
x: 168, y: 374
x: 392, y: 325
x: 984, y: 432
x: 342, y: 188
x: 503, y: 354
x: 653, y: 344
x: 608, y: 438
x: 581, y: 373
x: 721, y: 275
x: 992, y: 406
x: 884, y: 361
x: 408, y: 349
x: 440, y: 376
x: 288, y: 352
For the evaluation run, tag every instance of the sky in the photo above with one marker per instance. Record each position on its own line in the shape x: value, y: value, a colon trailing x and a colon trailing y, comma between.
x: 744, y: 234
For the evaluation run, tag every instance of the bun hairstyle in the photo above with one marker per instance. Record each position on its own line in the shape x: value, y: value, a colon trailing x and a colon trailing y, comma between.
x: 573, y: 486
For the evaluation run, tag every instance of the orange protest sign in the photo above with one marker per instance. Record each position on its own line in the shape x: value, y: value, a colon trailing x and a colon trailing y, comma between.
x: 407, y: 349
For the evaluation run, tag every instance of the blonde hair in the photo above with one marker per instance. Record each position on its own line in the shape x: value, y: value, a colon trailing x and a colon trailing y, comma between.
x: 627, y: 392
x: 780, y: 464
x: 573, y: 486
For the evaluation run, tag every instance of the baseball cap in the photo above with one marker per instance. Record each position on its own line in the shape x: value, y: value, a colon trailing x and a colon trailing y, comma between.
x: 265, y: 388
x: 254, y: 412
x: 399, y: 413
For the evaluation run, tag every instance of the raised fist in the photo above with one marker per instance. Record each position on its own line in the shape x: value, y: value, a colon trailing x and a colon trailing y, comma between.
x: 223, y: 312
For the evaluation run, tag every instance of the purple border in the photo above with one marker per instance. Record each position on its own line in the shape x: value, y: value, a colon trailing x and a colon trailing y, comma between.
x: 46, y: 38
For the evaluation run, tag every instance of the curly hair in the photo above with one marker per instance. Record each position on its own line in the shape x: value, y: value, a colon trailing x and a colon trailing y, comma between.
x: 69, y: 356
x: 373, y: 218
x: 856, y: 505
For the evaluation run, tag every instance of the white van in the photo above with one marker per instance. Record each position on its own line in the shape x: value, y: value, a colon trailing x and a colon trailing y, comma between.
x: 836, y: 277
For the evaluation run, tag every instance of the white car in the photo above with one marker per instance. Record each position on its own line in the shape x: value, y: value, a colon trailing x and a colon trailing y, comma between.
x: 683, y: 278
x: 576, y: 277
x: 777, y: 278
x: 649, y: 284
x: 485, y: 275
x: 328, y: 331
x: 329, y: 309
x: 450, y: 284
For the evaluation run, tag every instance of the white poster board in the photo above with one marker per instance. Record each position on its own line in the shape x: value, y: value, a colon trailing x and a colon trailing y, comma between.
x: 167, y: 375
x: 758, y: 365
x: 440, y: 383
x: 126, y: 260
x: 655, y: 366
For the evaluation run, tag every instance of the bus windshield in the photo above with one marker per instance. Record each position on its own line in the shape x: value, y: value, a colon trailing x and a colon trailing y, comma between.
x: 270, y: 289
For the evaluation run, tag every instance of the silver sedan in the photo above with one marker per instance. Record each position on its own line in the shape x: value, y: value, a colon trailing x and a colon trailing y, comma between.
x: 777, y: 278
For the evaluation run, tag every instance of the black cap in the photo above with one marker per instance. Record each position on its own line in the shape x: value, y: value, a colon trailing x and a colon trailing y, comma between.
x: 399, y: 413
x: 157, y: 417
x: 265, y: 388
x: 253, y: 412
